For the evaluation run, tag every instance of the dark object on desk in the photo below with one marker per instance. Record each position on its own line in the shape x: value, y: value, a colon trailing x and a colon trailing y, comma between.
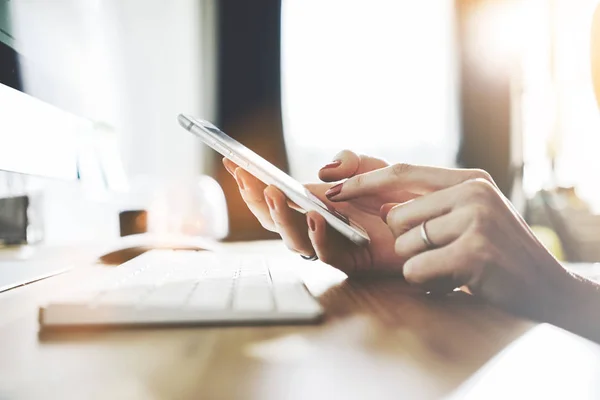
x: 120, y: 256
x: 10, y: 73
x: 125, y: 254
x: 132, y: 246
x: 13, y: 220
x: 132, y: 222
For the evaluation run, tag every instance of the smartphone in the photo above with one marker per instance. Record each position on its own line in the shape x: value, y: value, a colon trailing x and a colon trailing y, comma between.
x: 271, y: 175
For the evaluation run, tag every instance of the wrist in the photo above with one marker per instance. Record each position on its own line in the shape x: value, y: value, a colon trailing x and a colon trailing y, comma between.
x: 579, y: 306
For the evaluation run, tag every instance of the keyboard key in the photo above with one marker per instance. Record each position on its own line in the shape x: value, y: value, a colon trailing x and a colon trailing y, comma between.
x: 187, y: 273
x: 127, y: 296
x: 294, y: 298
x: 283, y: 275
x: 211, y: 294
x: 253, y: 294
x: 172, y: 295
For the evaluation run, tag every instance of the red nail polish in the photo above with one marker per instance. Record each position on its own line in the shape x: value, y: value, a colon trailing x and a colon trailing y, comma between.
x: 334, y: 190
x: 311, y: 224
x: 269, y: 202
x: 385, y: 210
x: 383, y: 214
x: 331, y: 165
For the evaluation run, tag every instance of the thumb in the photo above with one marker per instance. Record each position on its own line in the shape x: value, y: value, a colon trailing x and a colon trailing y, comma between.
x: 346, y: 164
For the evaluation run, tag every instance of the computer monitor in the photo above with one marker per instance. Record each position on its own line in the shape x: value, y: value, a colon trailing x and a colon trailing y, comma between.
x: 42, y: 131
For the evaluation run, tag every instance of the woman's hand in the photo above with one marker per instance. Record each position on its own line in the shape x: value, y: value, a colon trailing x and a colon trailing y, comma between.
x: 309, y: 234
x: 478, y: 239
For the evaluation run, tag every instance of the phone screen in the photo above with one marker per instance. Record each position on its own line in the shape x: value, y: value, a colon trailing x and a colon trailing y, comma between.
x: 271, y: 175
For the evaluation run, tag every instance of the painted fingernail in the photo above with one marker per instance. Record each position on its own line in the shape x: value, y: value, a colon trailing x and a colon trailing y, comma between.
x: 270, y: 202
x: 239, y: 180
x: 383, y: 213
x: 311, y: 223
x: 334, y: 190
x: 228, y: 168
x: 385, y: 210
x: 331, y: 165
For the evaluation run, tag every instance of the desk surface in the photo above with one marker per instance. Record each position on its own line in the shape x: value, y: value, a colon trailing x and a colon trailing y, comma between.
x: 380, y: 339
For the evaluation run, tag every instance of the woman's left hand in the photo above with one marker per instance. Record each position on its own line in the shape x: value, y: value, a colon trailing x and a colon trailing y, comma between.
x: 476, y: 238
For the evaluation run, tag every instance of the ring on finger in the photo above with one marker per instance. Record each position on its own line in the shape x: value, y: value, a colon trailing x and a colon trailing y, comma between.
x: 428, y: 243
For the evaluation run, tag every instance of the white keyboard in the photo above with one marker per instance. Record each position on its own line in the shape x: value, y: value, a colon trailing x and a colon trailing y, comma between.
x: 187, y: 287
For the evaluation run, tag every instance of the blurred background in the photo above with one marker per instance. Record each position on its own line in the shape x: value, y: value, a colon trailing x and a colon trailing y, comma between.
x: 503, y: 85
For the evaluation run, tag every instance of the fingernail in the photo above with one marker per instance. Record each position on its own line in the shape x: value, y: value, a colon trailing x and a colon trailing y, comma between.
x: 311, y: 223
x: 383, y: 214
x: 331, y: 165
x: 385, y: 210
x: 334, y: 190
x: 239, y: 180
x: 270, y: 202
x: 228, y: 168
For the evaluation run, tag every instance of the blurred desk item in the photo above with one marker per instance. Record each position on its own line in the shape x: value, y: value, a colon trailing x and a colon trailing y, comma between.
x: 13, y: 220
x: 550, y: 240
x: 133, y: 222
x: 577, y: 226
x: 131, y: 246
x: 380, y: 339
x: 584, y: 228
x: 194, y: 207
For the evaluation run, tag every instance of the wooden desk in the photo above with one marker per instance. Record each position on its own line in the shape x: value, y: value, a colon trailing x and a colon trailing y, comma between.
x: 380, y: 340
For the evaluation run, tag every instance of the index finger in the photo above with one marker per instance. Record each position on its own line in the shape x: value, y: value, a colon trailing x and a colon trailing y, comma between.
x: 347, y: 163
x: 416, y: 179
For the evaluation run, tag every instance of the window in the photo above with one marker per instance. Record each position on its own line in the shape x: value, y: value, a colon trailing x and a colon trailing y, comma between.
x: 560, y: 118
x: 376, y: 77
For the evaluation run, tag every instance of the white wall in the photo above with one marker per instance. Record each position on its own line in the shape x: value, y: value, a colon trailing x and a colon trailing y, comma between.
x: 156, y: 48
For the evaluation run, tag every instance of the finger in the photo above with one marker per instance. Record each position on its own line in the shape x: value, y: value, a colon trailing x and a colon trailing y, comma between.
x: 385, y: 209
x: 442, y: 269
x: 252, y: 191
x: 478, y: 197
x: 330, y: 246
x: 412, y: 178
x: 406, y: 216
x: 290, y: 224
x: 347, y: 163
x: 230, y: 166
x: 440, y: 231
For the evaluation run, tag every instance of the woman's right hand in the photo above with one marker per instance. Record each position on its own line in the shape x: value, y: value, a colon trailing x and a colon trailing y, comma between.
x: 492, y: 252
